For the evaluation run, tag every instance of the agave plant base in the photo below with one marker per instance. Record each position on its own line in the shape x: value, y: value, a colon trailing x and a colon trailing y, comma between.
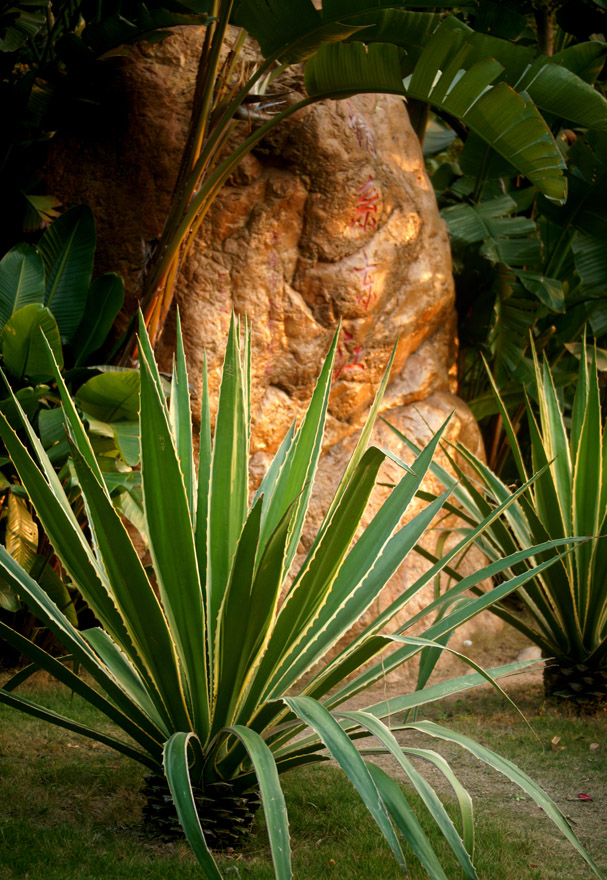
x: 225, y: 814
x: 583, y: 686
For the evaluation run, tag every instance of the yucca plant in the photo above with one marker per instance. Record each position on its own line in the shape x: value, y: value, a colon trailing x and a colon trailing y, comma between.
x: 565, y: 606
x: 216, y: 665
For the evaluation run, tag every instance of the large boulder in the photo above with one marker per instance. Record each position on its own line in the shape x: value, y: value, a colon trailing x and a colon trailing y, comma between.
x: 332, y: 220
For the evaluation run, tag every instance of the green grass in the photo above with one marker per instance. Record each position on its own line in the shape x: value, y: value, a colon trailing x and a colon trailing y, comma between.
x: 70, y: 808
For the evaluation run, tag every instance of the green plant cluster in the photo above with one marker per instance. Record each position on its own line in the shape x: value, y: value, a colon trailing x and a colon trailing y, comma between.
x: 524, y: 264
x: 46, y: 294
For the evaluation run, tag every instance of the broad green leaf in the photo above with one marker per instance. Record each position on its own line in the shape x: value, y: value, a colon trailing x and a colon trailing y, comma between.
x: 39, y: 209
x: 590, y: 257
x: 21, y: 280
x: 405, y: 29
x: 292, y: 32
x: 556, y: 89
x: 587, y: 181
x: 478, y: 158
x: 549, y: 291
x: 514, y: 314
x: 505, y: 120
x: 126, y: 437
x: 67, y: 249
x: 490, y: 219
x: 585, y: 59
x: 111, y: 397
x: 515, y: 253
x: 104, y: 300
x: 489, y: 18
x: 9, y: 600
x: 347, y: 68
x: 515, y: 129
x: 22, y: 23
x: 112, y: 32
x: 29, y: 400
x: 124, y: 434
x: 23, y: 352
x: 51, y: 426
x: 130, y: 505
x: 513, y: 58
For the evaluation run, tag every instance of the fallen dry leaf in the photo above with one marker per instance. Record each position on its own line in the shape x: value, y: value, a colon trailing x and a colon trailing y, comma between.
x: 554, y: 742
x: 593, y: 747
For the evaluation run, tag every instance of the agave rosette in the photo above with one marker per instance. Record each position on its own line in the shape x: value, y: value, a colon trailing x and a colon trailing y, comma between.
x: 214, y: 670
x: 565, y: 605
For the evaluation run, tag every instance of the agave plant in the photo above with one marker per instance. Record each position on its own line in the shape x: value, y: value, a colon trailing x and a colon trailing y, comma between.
x: 565, y: 606
x: 214, y: 667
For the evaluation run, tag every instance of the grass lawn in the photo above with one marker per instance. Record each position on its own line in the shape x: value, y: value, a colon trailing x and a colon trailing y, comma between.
x: 70, y: 808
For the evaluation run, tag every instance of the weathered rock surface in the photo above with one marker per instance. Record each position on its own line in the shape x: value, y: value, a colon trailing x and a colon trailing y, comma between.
x: 332, y: 220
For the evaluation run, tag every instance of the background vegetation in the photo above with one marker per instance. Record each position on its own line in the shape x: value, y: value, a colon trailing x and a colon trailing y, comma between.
x: 510, y: 100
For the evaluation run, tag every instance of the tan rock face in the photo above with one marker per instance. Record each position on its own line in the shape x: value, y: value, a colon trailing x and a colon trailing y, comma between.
x: 333, y: 219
